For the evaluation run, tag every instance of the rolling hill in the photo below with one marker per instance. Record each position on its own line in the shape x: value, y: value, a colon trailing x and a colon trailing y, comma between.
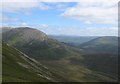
x: 101, y: 54
x: 72, y: 40
x: 56, y: 56
x: 106, y: 44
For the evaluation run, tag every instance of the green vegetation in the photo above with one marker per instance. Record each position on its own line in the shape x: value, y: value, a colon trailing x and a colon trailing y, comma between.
x: 101, y: 45
x: 18, y: 68
x: 73, y: 40
x: 105, y: 63
x: 64, y: 63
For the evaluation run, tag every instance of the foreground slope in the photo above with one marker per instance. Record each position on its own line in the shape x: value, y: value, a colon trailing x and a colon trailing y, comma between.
x: 53, y: 54
x: 18, y: 67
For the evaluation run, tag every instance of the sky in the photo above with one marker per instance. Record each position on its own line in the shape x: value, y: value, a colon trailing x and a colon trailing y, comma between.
x: 68, y: 17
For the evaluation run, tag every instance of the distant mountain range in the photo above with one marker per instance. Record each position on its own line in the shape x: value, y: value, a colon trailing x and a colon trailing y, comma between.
x: 73, y: 40
x: 91, y: 44
x: 65, y: 63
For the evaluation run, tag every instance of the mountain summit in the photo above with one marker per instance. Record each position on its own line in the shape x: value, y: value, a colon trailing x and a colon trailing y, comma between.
x: 25, y: 34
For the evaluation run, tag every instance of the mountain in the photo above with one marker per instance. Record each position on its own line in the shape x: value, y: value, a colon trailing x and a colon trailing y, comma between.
x: 56, y: 56
x: 27, y: 39
x: 72, y: 40
x: 106, y: 44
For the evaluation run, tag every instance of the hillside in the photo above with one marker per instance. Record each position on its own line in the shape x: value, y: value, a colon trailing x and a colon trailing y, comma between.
x: 107, y: 44
x: 72, y: 40
x: 18, y: 67
x: 101, y: 54
x: 56, y: 56
x: 27, y: 39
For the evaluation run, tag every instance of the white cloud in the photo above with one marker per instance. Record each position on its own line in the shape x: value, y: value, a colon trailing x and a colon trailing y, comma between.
x: 88, y: 22
x: 6, y: 18
x: 24, y: 24
x: 19, y: 5
x: 77, y: 31
x: 92, y: 31
x: 43, y: 26
x: 26, y: 5
x: 89, y: 11
x: 43, y: 0
x: 94, y: 11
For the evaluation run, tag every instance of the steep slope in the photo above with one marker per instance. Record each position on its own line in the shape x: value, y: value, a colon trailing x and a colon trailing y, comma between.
x: 107, y: 44
x: 27, y: 39
x: 53, y: 54
x: 18, y: 67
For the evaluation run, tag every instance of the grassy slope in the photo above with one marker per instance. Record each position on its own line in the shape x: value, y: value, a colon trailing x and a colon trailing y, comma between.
x: 101, y: 54
x: 29, y: 40
x: 0, y: 60
x: 15, y: 68
x: 75, y: 40
x: 57, y: 57
x: 106, y: 44
x: 18, y: 68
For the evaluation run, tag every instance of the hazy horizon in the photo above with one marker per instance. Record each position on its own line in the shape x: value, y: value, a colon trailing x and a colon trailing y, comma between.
x: 64, y: 18
x: 64, y: 34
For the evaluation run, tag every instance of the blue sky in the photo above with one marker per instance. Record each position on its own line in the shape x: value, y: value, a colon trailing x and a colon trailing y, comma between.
x: 63, y: 18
